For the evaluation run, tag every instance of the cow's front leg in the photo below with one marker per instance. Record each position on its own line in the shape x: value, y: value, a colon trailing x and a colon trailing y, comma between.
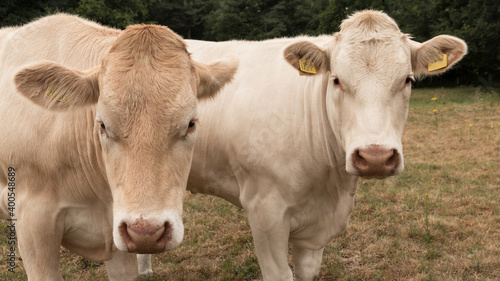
x: 39, y: 233
x: 270, y: 229
x: 306, y: 263
x: 144, y: 263
x: 123, y: 266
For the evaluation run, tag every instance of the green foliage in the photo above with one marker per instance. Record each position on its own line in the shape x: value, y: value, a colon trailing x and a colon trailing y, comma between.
x: 477, y: 22
x: 15, y: 12
x: 233, y: 20
x: 336, y: 11
x: 113, y: 12
x: 181, y: 16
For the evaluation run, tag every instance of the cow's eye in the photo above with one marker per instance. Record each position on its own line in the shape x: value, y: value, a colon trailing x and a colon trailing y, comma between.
x: 102, y: 129
x: 409, y: 79
x: 336, y: 81
x: 191, y: 126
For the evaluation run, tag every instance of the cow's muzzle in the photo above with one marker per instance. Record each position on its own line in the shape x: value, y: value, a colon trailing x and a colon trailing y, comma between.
x: 145, y: 237
x: 375, y: 161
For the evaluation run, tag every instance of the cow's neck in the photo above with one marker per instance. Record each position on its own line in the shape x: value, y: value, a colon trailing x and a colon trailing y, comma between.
x: 326, y: 142
x: 323, y: 139
x: 327, y: 205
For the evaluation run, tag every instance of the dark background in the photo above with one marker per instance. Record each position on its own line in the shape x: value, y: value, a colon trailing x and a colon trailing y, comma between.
x: 477, y: 22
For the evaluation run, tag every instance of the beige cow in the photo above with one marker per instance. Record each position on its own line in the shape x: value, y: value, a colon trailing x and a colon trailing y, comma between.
x: 289, y: 149
x: 97, y: 133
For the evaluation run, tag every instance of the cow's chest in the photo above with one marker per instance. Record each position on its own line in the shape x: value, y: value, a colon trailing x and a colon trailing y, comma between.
x: 323, y: 216
x: 88, y: 231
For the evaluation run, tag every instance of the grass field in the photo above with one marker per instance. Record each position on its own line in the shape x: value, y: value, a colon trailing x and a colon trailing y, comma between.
x: 438, y: 220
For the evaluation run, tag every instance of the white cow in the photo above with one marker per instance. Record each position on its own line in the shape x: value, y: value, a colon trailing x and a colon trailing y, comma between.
x: 97, y: 133
x: 290, y: 148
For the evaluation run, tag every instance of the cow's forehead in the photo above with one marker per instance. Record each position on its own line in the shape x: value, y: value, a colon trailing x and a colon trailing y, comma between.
x: 146, y: 60
x: 371, y: 44
x: 140, y: 94
x: 378, y: 57
x: 123, y: 80
x: 146, y: 75
x: 145, y: 55
x: 146, y: 78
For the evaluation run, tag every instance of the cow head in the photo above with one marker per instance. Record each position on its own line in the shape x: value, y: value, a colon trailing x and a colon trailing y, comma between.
x: 369, y: 67
x: 144, y: 99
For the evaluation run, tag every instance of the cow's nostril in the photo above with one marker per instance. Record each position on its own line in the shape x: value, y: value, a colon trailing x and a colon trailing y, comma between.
x: 393, y: 160
x: 124, y: 234
x: 166, y: 236
x: 145, y: 237
x: 359, y: 160
x: 375, y: 161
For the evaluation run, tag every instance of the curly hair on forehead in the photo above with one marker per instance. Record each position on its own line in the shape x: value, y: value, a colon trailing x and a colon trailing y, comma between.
x: 369, y: 20
x: 153, y: 46
x: 146, y: 38
x: 148, y: 58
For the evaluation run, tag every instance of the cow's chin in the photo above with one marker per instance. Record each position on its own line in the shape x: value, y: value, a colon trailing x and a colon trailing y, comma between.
x: 378, y: 177
x: 147, y: 234
x: 355, y: 172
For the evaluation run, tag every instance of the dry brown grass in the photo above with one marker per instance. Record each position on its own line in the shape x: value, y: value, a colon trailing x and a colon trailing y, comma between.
x: 396, y: 232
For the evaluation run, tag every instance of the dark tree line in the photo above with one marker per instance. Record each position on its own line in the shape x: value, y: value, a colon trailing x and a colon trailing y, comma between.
x: 475, y: 21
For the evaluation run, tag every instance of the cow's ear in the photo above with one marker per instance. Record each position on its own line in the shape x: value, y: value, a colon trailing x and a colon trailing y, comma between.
x: 56, y: 87
x: 427, y: 58
x: 307, y: 58
x: 212, y: 77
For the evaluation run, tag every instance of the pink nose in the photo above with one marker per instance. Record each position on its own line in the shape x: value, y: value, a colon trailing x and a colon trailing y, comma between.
x: 144, y: 237
x: 375, y: 161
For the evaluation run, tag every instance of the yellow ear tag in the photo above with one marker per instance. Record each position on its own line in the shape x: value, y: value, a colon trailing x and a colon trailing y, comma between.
x: 307, y: 66
x: 50, y: 93
x: 439, y: 63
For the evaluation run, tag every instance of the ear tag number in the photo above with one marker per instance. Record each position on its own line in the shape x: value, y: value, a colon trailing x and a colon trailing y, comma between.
x: 51, y: 94
x: 307, y: 66
x: 439, y: 63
